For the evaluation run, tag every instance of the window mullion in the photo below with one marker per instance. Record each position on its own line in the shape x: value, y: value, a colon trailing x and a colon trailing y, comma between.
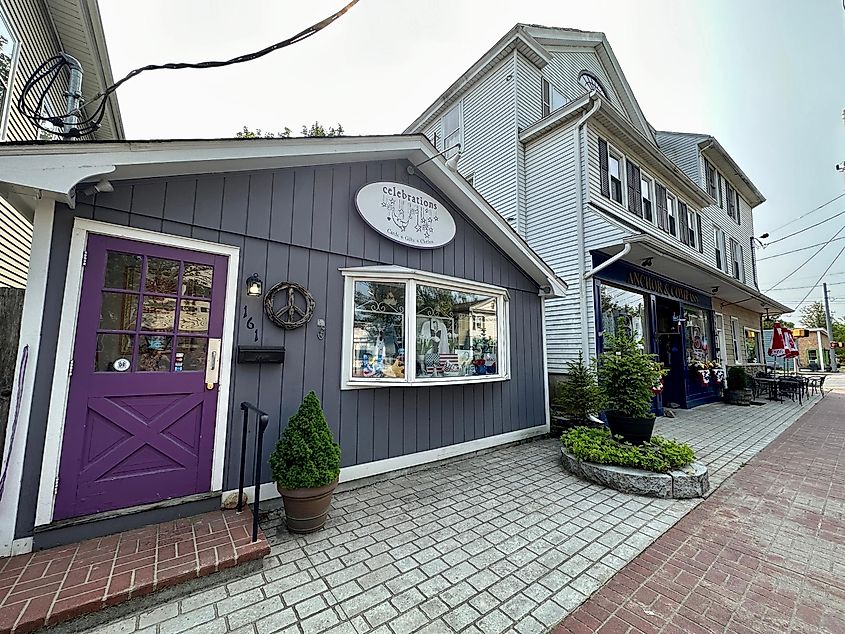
x: 410, y: 329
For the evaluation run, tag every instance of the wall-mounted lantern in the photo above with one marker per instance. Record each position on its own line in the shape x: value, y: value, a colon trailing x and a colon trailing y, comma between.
x: 254, y: 285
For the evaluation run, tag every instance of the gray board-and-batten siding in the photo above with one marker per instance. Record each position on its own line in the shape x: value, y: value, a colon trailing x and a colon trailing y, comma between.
x: 300, y: 224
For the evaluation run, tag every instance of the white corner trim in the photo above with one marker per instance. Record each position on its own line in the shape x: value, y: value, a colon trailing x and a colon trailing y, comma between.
x: 22, y: 546
x: 357, y: 472
x: 67, y: 335
x: 30, y: 335
x: 546, y: 389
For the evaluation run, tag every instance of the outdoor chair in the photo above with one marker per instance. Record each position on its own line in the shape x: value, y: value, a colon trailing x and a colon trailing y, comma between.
x: 791, y: 386
x: 817, y: 383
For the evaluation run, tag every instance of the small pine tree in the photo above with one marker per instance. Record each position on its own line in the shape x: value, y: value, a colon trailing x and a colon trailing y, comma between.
x: 579, y: 395
x: 306, y: 455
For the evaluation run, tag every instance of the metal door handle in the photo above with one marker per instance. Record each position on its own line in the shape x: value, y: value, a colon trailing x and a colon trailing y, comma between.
x: 212, y: 367
x: 213, y: 360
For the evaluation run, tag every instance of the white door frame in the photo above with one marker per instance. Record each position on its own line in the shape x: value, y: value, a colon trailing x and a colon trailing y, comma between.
x: 723, y: 342
x: 66, y: 341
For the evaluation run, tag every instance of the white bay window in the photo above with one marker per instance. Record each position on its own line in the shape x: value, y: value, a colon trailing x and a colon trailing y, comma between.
x: 403, y: 327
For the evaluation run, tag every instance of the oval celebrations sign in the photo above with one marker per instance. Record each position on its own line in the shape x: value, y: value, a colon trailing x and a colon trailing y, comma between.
x: 405, y: 215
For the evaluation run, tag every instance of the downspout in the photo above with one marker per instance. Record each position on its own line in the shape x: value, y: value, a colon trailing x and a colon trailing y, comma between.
x: 582, y: 241
x: 626, y: 249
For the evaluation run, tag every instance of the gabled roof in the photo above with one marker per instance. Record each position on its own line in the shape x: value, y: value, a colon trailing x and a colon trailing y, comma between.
x: 29, y: 171
x: 719, y: 157
x: 80, y: 33
x: 533, y: 41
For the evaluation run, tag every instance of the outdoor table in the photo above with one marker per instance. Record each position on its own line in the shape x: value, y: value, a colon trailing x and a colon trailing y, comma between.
x: 772, y: 386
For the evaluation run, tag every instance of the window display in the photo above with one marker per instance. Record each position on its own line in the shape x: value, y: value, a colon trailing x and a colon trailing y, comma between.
x: 418, y: 330
x: 697, y: 327
x: 751, y: 346
x: 621, y: 308
x: 456, y: 333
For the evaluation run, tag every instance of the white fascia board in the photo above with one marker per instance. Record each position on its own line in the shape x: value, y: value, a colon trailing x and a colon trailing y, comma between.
x: 713, y: 150
x: 513, y: 39
x: 559, y: 117
x: 606, y: 54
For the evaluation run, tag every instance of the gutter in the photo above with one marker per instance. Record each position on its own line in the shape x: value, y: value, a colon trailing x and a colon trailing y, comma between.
x: 577, y: 136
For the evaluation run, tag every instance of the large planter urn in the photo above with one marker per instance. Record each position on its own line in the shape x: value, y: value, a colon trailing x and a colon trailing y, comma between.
x: 306, y: 510
x: 738, y: 397
x: 633, y: 430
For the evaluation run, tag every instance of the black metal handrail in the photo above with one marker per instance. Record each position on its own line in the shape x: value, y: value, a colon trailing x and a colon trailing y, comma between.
x: 263, y: 420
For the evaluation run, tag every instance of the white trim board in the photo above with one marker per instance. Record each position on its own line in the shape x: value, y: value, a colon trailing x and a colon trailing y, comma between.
x: 67, y: 334
x: 368, y: 469
x: 14, y: 449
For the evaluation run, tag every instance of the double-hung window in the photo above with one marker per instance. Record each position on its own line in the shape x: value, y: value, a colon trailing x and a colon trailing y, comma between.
x: 405, y: 327
x: 719, y: 242
x: 672, y: 222
x: 647, y: 198
x: 737, y: 268
x: 730, y: 198
x: 614, y: 169
x: 552, y: 98
x: 735, y: 340
x: 452, y: 129
x: 9, y: 47
x: 692, y: 225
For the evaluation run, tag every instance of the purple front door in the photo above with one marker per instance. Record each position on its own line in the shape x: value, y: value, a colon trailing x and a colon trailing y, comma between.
x: 140, y: 416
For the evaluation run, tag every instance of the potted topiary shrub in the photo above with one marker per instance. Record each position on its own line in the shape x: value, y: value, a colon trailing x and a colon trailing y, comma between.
x: 578, y: 396
x: 305, y: 465
x: 629, y: 376
x: 738, y: 392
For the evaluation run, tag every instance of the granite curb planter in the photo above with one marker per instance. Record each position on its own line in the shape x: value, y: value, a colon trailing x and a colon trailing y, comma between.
x: 690, y: 482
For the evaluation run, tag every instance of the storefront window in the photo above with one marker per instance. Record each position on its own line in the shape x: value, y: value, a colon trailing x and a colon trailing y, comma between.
x: 697, y: 328
x: 457, y: 333
x: 624, y: 309
x: 751, y: 346
x: 417, y: 328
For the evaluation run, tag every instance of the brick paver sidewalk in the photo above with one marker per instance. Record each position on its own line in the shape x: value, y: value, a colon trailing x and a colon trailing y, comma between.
x: 765, y: 553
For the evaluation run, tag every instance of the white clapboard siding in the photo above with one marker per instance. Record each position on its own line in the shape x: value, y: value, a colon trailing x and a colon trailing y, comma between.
x: 529, y: 92
x: 489, y: 151
x: 565, y: 68
x: 682, y: 149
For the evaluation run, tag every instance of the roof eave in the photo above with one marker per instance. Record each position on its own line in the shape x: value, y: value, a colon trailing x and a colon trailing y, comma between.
x: 751, y: 192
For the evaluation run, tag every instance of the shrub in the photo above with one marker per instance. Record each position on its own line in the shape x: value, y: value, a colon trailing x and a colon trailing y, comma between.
x: 579, y: 395
x: 597, y: 445
x: 306, y: 455
x: 737, y: 378
x: 628, y: 375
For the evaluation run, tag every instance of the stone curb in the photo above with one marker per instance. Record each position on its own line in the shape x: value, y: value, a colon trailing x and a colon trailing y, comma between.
x: 690, y: 482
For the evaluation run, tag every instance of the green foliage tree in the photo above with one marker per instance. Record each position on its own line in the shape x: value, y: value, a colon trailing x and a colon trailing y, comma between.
x: 768, y: 324
x: 316, y: 129
x: 627, y: 375
x: 813, y: 316
x: 580, y: 395
x: 306, y: 455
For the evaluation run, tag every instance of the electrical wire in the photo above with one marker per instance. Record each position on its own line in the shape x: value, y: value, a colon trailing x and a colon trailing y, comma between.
x: 801, y: 288
x: 813, y: 287
x: 809, y: 212
x: 78, y: 123
x: 777, y: 255
x: 805, y: 229
x: 804, y: 263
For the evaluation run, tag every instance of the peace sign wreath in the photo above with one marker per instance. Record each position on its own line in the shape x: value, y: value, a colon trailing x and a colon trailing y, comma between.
x: 291, y: 315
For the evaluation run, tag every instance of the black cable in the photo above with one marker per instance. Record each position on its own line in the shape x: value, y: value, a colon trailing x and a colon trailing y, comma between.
x: 813, y: 287
x: 809, y: 212
x: 800, y: 266
x: 801, y: 288
x: 805, y: 229
x: 77, y: 124
x: 777, y: 255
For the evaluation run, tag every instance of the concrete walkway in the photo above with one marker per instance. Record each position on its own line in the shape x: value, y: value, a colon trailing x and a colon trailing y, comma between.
x: 502, y: 541
x: 763, y: 554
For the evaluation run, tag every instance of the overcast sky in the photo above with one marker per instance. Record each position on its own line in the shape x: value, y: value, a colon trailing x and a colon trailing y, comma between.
x: 765, y: 77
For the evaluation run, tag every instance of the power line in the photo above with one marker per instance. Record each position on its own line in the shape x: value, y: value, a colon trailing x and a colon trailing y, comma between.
x: 809, y: 212
x: 76, y: 124
x: 805, y: 229
x: 800, y: 266
x: 801, y: 288
x: 829, y: 266
x: 777, y: 255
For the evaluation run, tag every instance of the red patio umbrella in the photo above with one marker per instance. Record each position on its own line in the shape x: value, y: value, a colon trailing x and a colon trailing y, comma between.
x: 778, y: 346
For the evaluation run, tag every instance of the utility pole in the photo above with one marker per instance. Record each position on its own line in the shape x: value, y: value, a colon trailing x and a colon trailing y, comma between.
x: 831, y: 351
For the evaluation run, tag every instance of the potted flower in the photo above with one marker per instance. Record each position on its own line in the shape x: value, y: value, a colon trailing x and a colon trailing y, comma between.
x: 737, y: 392
x: 578, y: 396
x: 628, y: 375
x: 305, y: 465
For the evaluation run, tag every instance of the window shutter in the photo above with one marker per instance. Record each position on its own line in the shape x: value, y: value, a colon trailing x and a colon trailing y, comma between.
x: 700, y: 235
x: 683, y: 222
x: 629, y: 173
x: 546, y: 99
x: 662, y: 213
x: 721, y: 203
x: 605, y: 174
x: 738, y: 216
x: 638, y: 190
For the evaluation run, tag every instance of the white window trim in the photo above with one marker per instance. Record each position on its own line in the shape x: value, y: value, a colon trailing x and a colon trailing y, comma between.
x: 738, y: 357
x: 651, y: 195
x: 411, y: 278
x: 460, y: 107
x: 758, y: 338
x: 719, y: 246
x: 672, y: 214
x: 6, y: 107
x: 619, y: 156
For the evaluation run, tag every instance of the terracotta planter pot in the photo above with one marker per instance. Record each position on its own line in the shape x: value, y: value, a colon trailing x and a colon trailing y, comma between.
x: 306, y: 510
x: 634, y: 430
